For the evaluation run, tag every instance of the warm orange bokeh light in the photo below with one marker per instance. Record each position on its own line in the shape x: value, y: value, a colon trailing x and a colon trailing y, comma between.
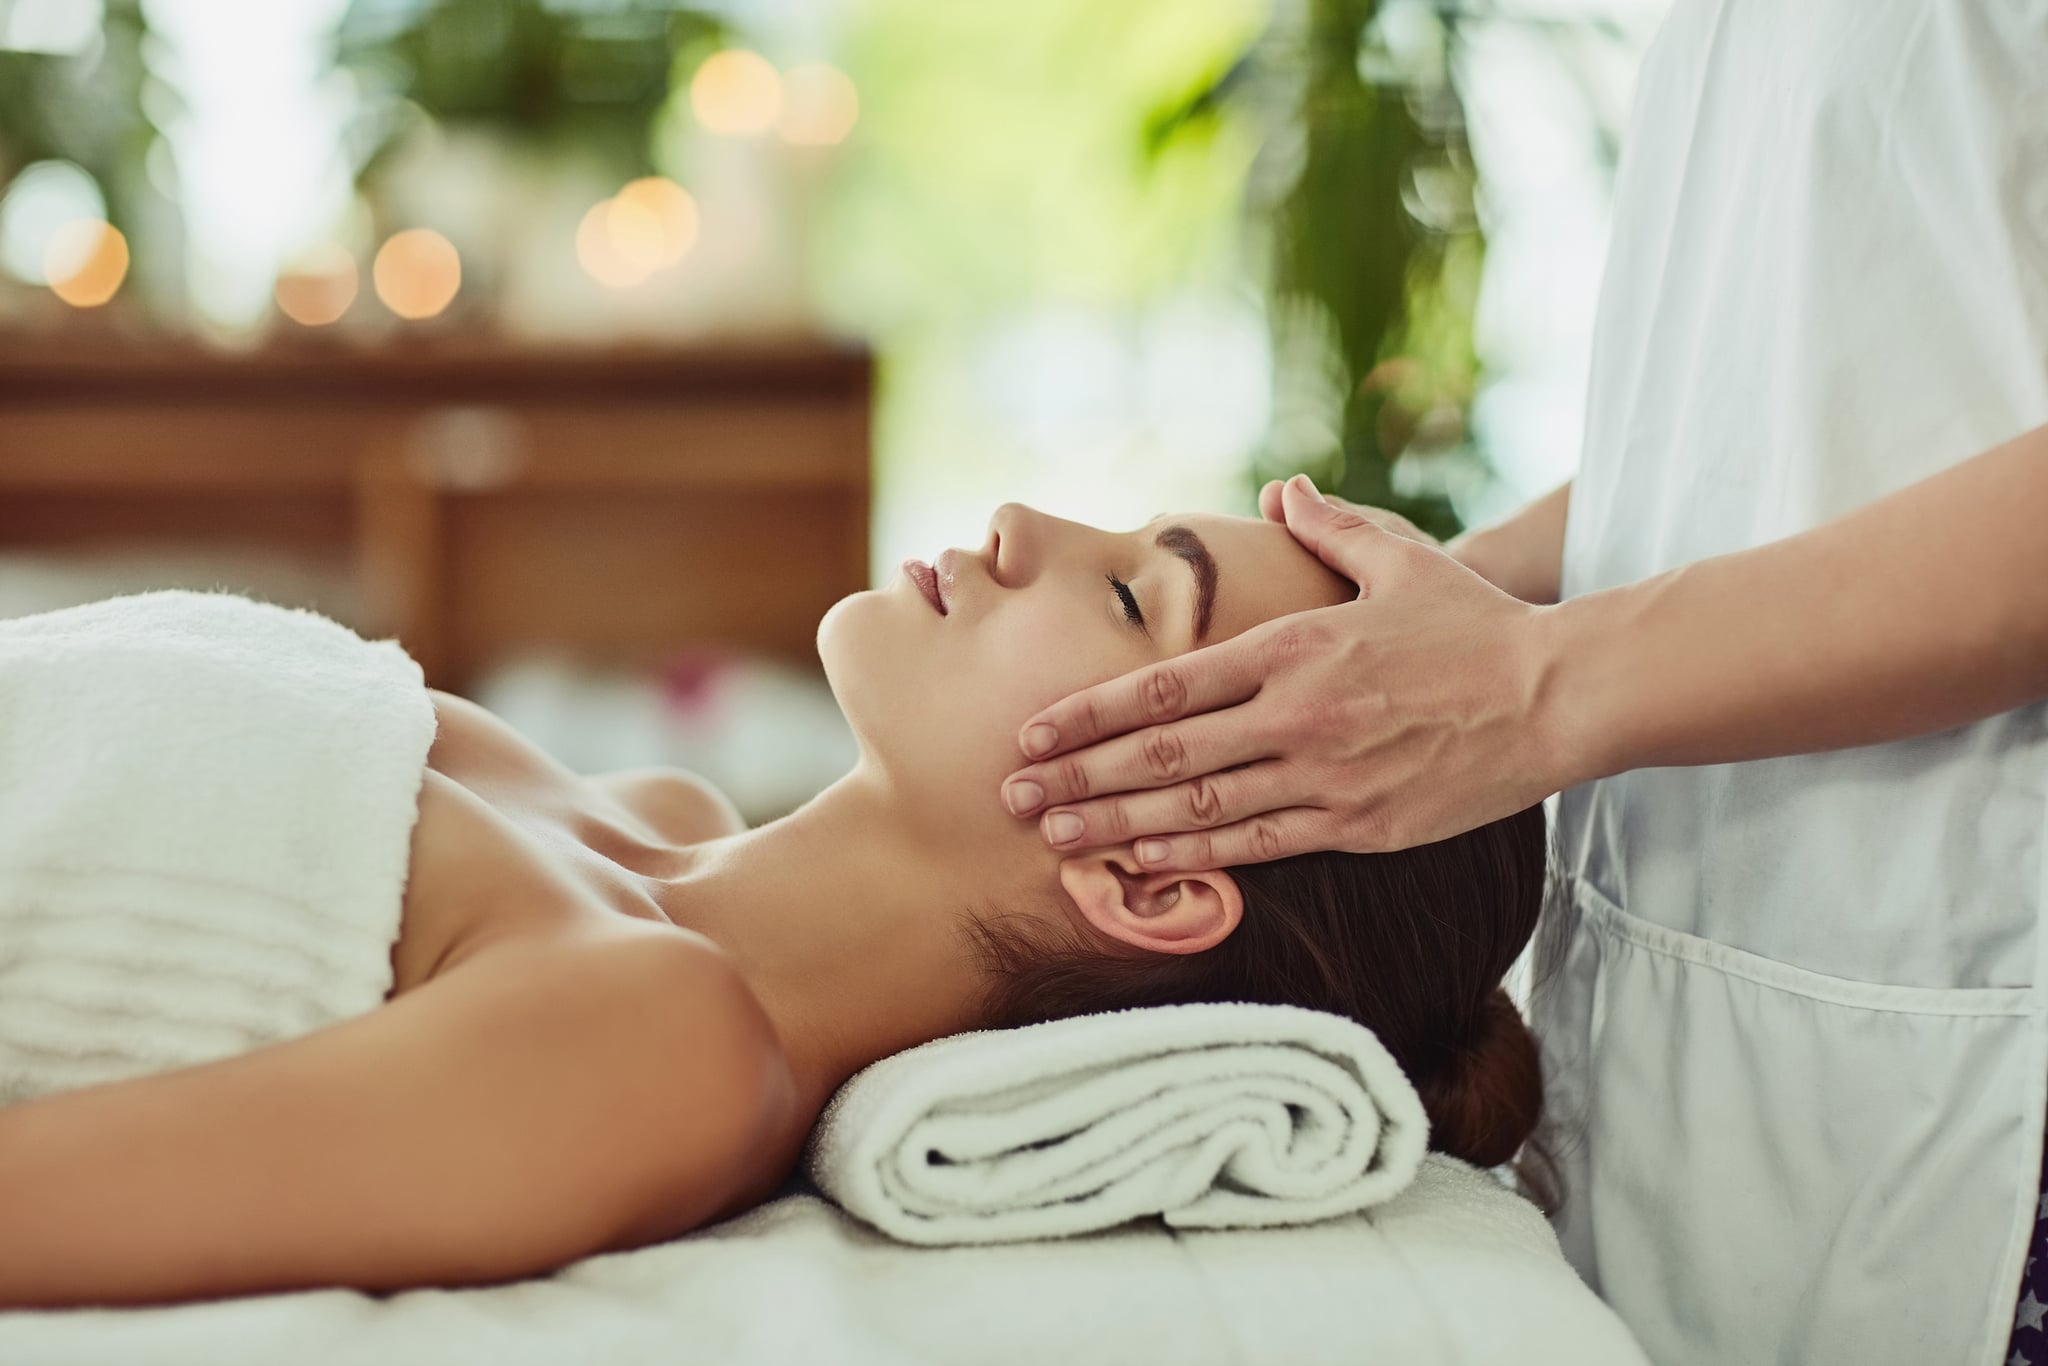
x: 662, y: 218
x: 417, y: 273
x: 635, y: 232
x: 819, y: 106
x: 85, y: 262
x: 736, y: 91
x: 649, y: 225
x: 600, y: 260
x: 319, y: 287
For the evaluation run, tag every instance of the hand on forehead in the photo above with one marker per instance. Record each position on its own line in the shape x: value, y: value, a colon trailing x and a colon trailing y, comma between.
x: 1261, y: 571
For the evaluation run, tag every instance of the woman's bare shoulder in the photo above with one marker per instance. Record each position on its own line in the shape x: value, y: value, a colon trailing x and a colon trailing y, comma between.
x: 677, y: 803
x: 738, y: 1070
x: 704, y: 1041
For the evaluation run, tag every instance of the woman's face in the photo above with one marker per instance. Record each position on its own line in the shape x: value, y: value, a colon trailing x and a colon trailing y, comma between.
x: 936, y: 698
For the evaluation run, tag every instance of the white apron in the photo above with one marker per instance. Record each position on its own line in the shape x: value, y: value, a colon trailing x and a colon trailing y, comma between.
x: 1794, y: 1009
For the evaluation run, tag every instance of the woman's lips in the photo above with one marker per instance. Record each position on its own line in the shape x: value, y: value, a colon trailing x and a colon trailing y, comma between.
x: 927, y: 580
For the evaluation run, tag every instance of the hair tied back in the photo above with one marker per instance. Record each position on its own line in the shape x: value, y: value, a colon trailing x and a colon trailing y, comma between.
x: 1486, y: 1097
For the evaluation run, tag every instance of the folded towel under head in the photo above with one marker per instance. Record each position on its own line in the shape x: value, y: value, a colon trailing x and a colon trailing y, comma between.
x: 1210, y: 1116
x: 206, y: 810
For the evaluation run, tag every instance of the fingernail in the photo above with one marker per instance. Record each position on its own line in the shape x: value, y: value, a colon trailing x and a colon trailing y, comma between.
x: 1308, y: 486
x: 1062, y: 827
x: 1040, y: 740
x: 1151, y: 851
x: 1023, y: 797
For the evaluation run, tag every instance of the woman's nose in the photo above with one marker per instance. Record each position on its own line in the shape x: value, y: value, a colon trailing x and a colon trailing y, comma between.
x: 1009, y: 543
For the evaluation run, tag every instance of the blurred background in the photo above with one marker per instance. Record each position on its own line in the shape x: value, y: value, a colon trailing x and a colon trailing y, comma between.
x: 594, y: 347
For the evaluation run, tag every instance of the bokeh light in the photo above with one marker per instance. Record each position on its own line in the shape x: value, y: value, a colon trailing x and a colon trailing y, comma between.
x: 649, y: 225
x: 663, y: 218
x: 66, y: 28
x: 417, y: 273
x: 819, y: 106
x: 595, y: 252
x: 86, y: 262
x: 635, y: 232
x: 41, y: 199
x: 319, y: 287
x: 736, y: 91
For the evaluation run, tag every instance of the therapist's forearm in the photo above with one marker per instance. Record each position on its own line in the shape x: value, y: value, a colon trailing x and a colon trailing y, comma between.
x: 1924, y: 610
x: 1523, y: 554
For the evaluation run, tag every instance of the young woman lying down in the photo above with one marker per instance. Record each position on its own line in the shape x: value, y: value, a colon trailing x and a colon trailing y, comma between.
x: 617, y: 1012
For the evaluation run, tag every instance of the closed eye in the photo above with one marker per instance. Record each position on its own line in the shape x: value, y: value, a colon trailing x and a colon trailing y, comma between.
x: 1130, y: 601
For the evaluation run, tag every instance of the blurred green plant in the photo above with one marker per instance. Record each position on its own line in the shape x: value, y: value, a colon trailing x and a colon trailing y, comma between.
x: 102, y: 109
x: 590, y: 75
x: 994, y: 177
x: 1108, y: 154
x: 994, y: 167
x: 1361, y: 202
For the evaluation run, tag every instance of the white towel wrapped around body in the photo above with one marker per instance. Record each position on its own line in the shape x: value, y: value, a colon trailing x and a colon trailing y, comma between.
x: 206, y: 811
x: 1211, y: 1116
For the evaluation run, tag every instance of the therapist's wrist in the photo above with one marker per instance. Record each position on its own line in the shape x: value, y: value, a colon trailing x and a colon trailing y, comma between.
x: 1470, y: 549
x: 1579, y: 714
x: 1496, y: 554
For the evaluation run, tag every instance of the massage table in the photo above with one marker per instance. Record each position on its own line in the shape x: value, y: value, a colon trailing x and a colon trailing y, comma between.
x: 1456, y: 1269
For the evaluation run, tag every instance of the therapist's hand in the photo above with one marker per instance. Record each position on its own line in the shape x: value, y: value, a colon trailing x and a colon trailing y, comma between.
x: 1273, y: 507
x: 1412, y: 714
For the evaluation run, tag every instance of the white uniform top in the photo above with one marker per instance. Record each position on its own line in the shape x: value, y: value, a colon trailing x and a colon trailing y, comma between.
x: 1798, y: 1005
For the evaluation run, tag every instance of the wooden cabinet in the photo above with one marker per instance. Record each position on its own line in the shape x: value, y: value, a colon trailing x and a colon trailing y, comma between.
x: 613, y: 503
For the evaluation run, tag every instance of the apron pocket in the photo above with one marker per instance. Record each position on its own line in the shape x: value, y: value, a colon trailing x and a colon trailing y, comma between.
x: 1765, y: 1163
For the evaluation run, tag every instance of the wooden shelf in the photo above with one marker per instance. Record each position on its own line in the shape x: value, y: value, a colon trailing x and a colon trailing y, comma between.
x: 614, y: 502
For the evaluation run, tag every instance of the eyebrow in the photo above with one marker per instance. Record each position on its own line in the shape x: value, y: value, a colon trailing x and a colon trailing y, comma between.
x: 1188, y: 546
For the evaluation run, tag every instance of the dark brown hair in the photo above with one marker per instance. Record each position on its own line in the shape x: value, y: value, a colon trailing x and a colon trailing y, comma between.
x: 1413, y: 945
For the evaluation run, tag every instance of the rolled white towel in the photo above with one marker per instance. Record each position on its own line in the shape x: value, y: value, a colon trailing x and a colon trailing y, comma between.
x: 1211, y: 1116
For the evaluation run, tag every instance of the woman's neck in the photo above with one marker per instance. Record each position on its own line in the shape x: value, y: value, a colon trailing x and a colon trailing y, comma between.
x: 839, y: 922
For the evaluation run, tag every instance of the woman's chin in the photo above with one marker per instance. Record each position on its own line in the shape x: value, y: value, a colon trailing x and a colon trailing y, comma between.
x: 859, y: 655
x: 941, y: 730
x: 841, y: 629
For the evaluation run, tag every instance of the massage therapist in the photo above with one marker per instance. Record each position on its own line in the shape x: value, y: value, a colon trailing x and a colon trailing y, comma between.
x: 1782, y: 644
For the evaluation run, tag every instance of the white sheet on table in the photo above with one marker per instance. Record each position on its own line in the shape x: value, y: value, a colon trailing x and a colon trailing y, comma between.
x: 1455, y: 1270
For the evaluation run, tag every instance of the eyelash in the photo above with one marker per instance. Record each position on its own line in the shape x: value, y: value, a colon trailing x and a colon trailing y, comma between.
x: 1131, y: 612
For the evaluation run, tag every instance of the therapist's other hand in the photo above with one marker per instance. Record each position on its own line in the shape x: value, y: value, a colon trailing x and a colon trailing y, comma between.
x: 1406, y: 716
x: 1273, y: 508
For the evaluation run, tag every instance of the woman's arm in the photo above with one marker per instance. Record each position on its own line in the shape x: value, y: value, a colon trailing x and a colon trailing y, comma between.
x: 1522, y: 555
x: 1923, y: 610
x: 539, y: 1103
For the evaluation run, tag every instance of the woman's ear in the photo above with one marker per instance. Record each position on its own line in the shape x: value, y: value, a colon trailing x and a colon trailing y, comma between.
x: 1163, y: 912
